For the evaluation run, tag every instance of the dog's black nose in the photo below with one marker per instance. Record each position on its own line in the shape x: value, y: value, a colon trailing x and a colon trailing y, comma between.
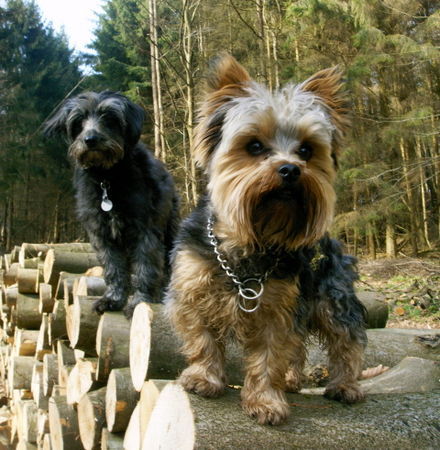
x: 289, y: 172
x: 91, y: 140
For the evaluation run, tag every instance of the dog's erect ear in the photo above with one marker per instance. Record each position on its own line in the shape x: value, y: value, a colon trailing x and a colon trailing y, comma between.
x: 226, y: 81
x: 57, y: 124
x: 329, y: 86
x: 226, y: 71
x: 134, y: 116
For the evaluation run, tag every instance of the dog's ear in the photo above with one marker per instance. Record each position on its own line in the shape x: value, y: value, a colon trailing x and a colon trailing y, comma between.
x: 329, y: 86
x: 134, y: 116
x: 225, y: 71
x: 56, y: 125
x: 226, y: 81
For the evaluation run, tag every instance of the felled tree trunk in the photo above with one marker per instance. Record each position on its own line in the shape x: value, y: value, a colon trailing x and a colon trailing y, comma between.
x: 186, y: 421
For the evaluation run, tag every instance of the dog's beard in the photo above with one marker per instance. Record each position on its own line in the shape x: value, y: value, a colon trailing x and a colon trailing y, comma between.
x: 104, y: 156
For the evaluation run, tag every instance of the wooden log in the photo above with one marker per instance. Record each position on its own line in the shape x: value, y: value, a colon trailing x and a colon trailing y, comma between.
x: 29, y: 250
x: 140, y: 342
x: 29, y: 421
x: 387, y: 346
x: 14, y: 253
x: 42, y: 424
x: 111, y: 441
x: 66, y: 360
x: 147, y: 402
x: 57, y: 322
x: 11, y: 294
x: 63, y: 424
x: 121, y: 399
x: 25, y: 342
x: 30, y: 263
x: 43, y: 346
x: 26, y: 314
x: 50, y: 373
x: 37, y: 389
x: 28, y: 281
x: 20, y: 372
x: 82, y: 324
x: 65, y: 285
x: 57, y: 261
x: 91, y: 286
x: 91, y: 418
x: 81, y: 380
x: 187, y: 421
x: 46, y: 445
x: 112, y: 343
x: 132, y: 437
x: 46, y: 300
x: 10, y: 276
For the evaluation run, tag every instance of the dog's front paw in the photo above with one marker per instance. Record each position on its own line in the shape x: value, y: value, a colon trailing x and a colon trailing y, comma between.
x: 108, y: 303
x: 345, y: 393
x: 267, y: 410
x: 197, y: 379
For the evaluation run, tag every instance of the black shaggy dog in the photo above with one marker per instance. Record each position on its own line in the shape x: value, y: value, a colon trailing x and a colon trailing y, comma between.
x: 126, y: 199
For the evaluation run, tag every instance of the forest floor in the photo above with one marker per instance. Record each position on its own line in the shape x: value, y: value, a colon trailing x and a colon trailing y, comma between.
x: 410, y: 286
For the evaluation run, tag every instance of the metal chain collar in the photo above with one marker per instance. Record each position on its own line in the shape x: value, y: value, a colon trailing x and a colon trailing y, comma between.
x: 245, y: 291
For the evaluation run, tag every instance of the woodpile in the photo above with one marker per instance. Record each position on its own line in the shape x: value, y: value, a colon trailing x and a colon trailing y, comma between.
x: 76, y: 380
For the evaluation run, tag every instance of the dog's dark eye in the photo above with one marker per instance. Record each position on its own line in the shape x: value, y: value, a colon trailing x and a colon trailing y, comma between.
x: 305, y: 151
x: 111, y: 121
x: 76, y: 127
x: 256, y: 148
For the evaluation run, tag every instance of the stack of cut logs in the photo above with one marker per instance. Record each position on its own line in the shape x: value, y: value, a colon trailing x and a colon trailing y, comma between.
x: 77, y: 380
x: 73, y: 379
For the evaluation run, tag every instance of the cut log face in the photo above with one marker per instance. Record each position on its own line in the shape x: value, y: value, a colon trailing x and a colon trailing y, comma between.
x: 91, y: 418
x: 121, y: 399
x: 172, y: 422
x: 63, y: 424
x: 81, y: 380
x: 50, y: 373
x: 26, y: 313
x: 82, y: 324
x: 46, y: 300
x: 112, y: 343
x: 140, y: 342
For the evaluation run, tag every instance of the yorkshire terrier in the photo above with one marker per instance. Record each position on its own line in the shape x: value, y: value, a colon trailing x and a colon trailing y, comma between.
x: 125, y: 198
x: 254, y: 261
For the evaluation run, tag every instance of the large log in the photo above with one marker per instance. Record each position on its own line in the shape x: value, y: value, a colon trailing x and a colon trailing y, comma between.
x: 140, y: 342
x: 25, y: 342
x: 20, y: 372
x: 26, y: 313
x: 188, y: 421
x: 63, y: 423
x: 387, y: 346
x: 81, y: 380
x: 29, y: 250
x: 82, y: 324
x: 57, y: 261
x: 46, y: 300
x: 91, y: 286
x: 57, y: 322
x: 50, y: 373
x: 28, y: 280
x: 91, y: 418
x: 121, y: 399
x: 10, y: 276
x: 112, y: 343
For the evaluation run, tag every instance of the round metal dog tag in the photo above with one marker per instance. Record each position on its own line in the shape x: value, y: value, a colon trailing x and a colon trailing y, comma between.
x: 106, y: 204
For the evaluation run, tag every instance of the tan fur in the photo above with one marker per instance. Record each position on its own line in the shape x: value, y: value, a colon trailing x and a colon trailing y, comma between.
x: 202, y: 302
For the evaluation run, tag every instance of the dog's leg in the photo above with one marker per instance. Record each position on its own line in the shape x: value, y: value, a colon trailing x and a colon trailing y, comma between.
x: 345, y: 365
x: 295, y: 372
x: 205, y: 354
x: 267, y: 360
x: 147, y: 261
x: 117, y: 278
x: 345, y: 342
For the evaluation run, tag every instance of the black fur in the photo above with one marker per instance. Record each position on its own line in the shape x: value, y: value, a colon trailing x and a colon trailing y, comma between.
x: 134, y: 239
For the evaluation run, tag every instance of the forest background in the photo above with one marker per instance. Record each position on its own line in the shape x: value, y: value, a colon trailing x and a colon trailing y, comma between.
x: 157, y: 52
